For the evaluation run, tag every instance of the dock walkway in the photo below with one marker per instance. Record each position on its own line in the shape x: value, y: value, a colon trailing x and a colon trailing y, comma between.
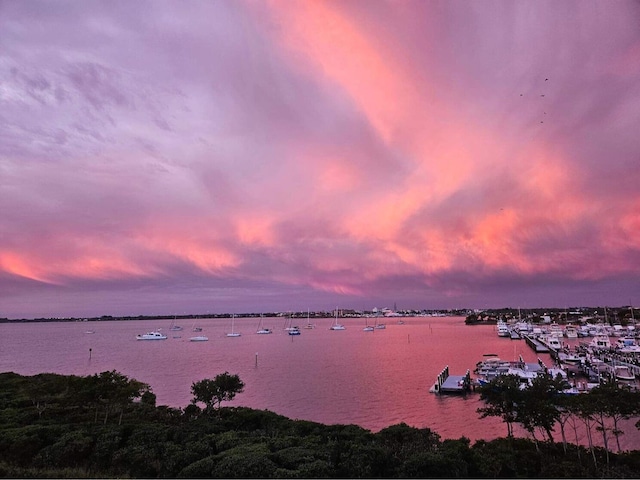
x: 536, y: 344
x: 446, y: 383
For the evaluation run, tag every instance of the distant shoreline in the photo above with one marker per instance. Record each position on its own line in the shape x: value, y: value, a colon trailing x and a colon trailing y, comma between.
x: 572, y: 314
x: 342, y: 313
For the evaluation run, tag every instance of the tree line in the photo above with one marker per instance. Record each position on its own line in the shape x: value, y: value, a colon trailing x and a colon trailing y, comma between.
x: 109, y: 426
x: 542, y: 404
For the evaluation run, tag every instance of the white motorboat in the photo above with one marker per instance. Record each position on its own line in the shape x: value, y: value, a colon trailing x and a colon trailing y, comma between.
x: 551, y: 341
x: 571, y: 358
x: 199, y: 338
x: 600, y: 342
x: 627, y: 345
x: 623, y: 372
x: 151, y: 336
x: 555, y: 329
x: 570, y: 331
x: 295, y: 331
x: 503, y: 329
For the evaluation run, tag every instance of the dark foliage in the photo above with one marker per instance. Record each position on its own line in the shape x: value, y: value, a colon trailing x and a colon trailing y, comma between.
x: 107, y: 426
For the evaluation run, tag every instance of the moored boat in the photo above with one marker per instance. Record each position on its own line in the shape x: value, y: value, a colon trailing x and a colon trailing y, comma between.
x: 199, y: 338
x: 151, y: 336
x: 336, y: 325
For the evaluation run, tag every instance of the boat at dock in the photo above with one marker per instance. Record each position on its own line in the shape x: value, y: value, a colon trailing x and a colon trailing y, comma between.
x: 571, y: 358
x: 600, y: 342
x: 502, y: 328
x: 624, y: 373
x: 627, y: 345
x: 551, y: 341
x: 570, y: 331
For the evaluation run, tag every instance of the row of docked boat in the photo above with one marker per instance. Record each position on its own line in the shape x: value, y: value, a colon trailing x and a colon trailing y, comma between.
x: 521, y: 328
x: 492, y: 366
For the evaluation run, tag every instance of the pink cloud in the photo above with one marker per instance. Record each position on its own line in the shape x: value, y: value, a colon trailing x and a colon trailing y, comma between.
x: 327, y: 148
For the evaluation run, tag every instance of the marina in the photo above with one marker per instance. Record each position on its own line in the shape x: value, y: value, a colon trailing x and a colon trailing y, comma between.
x: 584, y: 361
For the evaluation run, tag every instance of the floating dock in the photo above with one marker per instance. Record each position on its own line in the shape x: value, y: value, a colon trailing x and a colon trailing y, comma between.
x: 536, y: 344
x: 446, y: 383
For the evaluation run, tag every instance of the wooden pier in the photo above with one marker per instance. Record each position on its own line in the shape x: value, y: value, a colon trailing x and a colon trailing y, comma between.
x: 446, y: 383
x: 536, y: 344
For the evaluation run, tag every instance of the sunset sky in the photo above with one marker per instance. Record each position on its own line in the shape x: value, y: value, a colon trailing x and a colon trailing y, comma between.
x: 171, y: 157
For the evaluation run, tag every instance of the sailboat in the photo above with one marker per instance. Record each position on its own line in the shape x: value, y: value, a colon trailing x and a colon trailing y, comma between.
x: 233, y: 332
x: 309, y: 324
x: 174, y: 327
x: 289, y: 325
x: 380, y: 326
x: 196, y: 329
x: 368, y: 328
x: 294, y: 331
x: 336, y: 325
x: 262, y: 330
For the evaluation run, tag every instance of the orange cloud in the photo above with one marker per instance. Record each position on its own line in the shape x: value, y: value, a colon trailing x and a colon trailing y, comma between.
x: 96, y: 265
x: 18, y: 264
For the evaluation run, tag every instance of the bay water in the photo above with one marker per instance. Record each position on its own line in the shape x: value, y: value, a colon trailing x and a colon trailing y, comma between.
x: 372, y: 379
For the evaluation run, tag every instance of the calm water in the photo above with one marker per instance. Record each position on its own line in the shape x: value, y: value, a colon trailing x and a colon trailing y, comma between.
x: 372, y: 379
